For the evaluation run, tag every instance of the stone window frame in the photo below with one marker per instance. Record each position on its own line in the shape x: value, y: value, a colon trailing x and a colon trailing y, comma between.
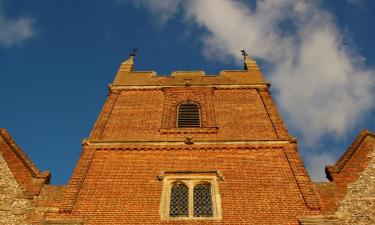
x: 190, y: 179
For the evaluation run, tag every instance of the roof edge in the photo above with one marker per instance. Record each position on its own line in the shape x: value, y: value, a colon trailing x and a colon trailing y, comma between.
x: 26, y: 161
x: 340, y: 164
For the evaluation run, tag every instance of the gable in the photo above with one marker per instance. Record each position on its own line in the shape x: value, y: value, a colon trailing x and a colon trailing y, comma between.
x: 25, y: 173
x: 353, y: 161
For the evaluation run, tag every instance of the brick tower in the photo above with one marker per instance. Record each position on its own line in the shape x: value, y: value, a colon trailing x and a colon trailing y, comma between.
x: 189, y: 149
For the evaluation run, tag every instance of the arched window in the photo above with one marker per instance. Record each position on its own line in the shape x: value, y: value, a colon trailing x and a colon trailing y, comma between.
x: 179, y: 203
x: 190, y: 196
x: 188, y: 115
x: 202, y: 200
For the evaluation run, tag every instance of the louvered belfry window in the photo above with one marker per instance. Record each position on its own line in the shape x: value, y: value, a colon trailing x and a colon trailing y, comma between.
x: 179, y: 204
x: 188, y: 115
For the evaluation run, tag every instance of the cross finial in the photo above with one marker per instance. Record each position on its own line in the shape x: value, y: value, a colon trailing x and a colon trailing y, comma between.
x: 244, y: 54
x: 133, y: 52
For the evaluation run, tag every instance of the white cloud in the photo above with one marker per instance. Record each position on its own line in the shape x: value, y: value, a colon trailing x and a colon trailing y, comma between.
x: 316, y: 164
x: 14, y: 31
x: 322, y: 85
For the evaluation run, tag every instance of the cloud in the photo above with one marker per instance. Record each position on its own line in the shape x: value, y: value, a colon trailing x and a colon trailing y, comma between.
x: 14, y: 31
x: 163, y: 10
x: 316, y: 164
x: 322, y: 85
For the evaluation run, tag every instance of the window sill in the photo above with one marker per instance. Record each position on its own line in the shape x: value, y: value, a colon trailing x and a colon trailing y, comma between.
x: 193, y: 130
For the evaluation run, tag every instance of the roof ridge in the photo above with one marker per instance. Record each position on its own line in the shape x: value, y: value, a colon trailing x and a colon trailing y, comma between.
x: 344, y: 159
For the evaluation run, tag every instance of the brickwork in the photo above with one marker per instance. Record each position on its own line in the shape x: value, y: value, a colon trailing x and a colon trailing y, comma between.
x: 353, y: 162
x: 104, y: 115
x: 145, y: 115
x: 75, y: 183
x: 241, y: 115
x: 304, y: 183
x: 135, y: 139
x: 48, y: 201
x: 135, y: 116
x: 253, y: 189
x: 174, y: 96
x: 273, y: 114
x: 329, y: 195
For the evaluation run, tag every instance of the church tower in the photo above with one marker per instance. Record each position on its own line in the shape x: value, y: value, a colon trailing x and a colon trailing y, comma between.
x: 189, y: 149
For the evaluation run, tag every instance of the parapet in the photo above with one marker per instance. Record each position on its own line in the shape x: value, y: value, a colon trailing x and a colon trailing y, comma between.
x: 127, y: 76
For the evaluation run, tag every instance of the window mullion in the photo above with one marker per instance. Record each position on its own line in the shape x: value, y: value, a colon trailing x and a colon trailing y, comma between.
x: 191, y: 199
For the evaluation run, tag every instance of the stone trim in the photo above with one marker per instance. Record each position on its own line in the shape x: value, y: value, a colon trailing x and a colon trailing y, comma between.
x: 198, y: 130
x: 61, y: 221
x: 319, y: 220
x: 186, y: 147
x: 226, y: 143
x: 114, y: 87
x: 190, y: 180
x: 165, y: 173
x: 166, y: 148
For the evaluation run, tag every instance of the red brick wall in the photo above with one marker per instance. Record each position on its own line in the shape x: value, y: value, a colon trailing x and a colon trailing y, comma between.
x: 356, y: 165
x: 121, y: 187
x: 239, y: 114
x: 115, y: 181
x: 136, y: 115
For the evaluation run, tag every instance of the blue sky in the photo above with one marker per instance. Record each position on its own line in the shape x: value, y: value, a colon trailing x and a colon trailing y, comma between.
x: 57, y: 58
